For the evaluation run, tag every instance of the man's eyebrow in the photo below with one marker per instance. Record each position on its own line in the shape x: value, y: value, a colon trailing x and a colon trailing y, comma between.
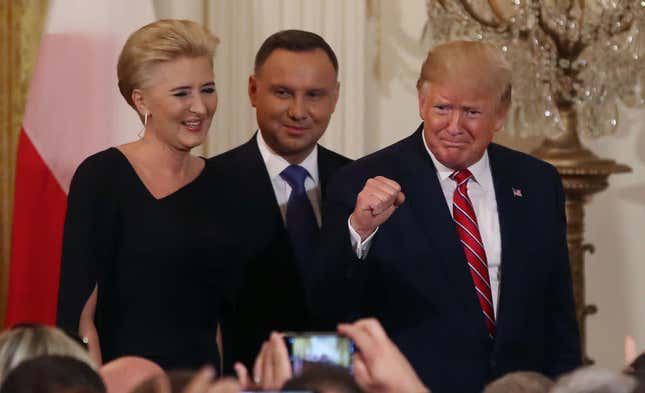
x: 469, y: 107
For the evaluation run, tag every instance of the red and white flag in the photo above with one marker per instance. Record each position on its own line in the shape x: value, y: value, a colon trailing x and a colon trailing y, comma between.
x: 73, y: 110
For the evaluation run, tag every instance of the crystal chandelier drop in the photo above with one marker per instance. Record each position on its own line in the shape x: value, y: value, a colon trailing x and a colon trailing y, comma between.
x: 579, y: 56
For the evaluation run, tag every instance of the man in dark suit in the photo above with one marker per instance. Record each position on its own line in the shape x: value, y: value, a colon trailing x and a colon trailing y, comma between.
x: 456, y: 244
x: 275, y: 183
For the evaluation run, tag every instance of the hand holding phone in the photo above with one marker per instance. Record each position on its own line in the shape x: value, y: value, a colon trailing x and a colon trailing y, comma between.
x: 379, y: 366
x: 311, y: 347
x: 271, y: 369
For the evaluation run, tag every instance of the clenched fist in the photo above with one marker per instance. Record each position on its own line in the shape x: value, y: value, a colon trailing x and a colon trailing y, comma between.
x: 375, y: 204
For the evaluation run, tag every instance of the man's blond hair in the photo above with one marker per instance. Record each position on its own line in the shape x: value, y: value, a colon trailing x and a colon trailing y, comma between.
x: 473, y: 65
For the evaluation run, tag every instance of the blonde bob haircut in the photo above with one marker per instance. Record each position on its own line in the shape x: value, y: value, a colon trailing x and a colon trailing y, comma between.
x: 158, y: 42
x: 25, y: 342
x: 474, y: 66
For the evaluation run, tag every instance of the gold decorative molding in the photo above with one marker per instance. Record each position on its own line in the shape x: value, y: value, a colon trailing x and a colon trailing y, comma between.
x: 583, y: 175
x: 21, y: 25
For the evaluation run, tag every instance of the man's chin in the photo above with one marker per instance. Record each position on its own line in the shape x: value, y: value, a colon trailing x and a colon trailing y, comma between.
x: 451, y: 160
x: 298, y: 151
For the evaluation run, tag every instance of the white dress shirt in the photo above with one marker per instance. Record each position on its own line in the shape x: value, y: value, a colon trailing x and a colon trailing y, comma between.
x: 482, y: 195
x: 275, y: 164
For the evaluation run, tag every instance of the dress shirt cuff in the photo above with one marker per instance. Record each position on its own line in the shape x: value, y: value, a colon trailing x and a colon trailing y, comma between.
x: 360, y: 248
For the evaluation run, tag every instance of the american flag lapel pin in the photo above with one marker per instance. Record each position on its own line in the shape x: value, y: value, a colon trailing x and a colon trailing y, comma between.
x: 517, y: 193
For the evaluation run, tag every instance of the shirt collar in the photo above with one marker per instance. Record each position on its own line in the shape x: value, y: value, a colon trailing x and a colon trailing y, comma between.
x: 275, y: 163
x: 480, y: 169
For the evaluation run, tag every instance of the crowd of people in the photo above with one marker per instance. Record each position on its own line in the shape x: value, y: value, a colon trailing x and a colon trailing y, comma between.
x: 42, y: 359
x: 443, y: 256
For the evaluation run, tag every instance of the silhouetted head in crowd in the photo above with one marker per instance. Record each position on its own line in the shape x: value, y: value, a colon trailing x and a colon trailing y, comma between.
x: 323, y: 378
x: 180, y: 381
x: 594, y: 380
x: 53, y: 374
x: 520, y: 382
x: 124, y: 374
x: 23, y: 342
x: 173, y: 381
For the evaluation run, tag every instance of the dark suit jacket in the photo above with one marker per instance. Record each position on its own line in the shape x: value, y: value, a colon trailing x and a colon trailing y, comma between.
x: 415, y: 278
x: 271, y: 294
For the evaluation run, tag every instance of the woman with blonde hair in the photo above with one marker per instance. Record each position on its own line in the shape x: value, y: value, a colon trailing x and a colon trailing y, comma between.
x: 27, y: 341
x: 142, y: 266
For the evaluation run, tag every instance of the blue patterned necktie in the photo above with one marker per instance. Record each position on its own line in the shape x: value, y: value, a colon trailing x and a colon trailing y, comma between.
x: 301, y: 220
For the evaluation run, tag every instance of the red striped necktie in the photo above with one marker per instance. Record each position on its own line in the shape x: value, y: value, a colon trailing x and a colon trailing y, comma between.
x: 466, y: 222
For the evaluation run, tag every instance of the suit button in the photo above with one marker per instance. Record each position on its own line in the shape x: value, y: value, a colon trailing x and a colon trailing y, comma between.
x: 493, y: 363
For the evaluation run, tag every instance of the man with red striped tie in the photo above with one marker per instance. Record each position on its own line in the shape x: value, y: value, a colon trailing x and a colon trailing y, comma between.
x: 455, y: 243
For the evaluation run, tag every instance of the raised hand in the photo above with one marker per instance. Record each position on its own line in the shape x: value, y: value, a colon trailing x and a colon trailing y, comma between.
x: 630, y: 350
x: 271, y: 369
x: 379, y: 366
x: 376, y: 202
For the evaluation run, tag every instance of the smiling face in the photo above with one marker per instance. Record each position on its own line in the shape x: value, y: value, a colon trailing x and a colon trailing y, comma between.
x: 464, y: 96
x: 181, y: 100
x: 459, y: 122
x: 294, y: 94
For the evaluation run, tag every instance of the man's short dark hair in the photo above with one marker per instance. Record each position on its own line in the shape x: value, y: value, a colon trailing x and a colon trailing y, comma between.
x: 294, y: 41
x: 52, y: 374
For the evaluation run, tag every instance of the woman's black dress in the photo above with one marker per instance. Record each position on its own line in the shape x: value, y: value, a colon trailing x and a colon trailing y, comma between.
x: 161, y: 265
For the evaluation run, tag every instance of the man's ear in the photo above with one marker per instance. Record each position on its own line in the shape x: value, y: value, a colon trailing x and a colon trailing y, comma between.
x: 336, y: 94
x: 502, y: 114
x: 421, y: 92
x: 139, y: 102
x: 504, y: 106
x: 253, y: 90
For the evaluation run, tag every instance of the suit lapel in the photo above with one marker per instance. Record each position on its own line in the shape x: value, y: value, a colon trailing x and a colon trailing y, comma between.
x: 325, y: 169
x: 428, y: 208
x: 259, y: 187
x: 510, y: 193
x: 328, y: 163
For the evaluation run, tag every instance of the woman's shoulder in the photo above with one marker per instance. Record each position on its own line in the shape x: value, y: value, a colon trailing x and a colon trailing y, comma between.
x: 103, y: 158
x: 99, y: 167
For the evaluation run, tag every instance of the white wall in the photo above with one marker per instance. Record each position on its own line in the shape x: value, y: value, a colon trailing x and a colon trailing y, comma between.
x: 395, y: 56
x: 615, y: 223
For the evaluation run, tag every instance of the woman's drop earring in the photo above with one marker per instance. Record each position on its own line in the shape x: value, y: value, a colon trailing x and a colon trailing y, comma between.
x: 145, y: 123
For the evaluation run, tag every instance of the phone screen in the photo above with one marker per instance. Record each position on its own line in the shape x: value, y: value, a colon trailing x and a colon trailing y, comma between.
x: 307, y: 348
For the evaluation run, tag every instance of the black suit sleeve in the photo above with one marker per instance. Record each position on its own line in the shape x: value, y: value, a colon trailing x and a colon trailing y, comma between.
x: 563, y: 344
x: 87, y: 240
x: 336, y: 276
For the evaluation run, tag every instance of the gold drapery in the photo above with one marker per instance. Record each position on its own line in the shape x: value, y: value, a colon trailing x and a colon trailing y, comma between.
x: 21, y: 25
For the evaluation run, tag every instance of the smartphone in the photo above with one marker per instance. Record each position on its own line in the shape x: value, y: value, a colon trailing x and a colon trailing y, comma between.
x: 311, y: 347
